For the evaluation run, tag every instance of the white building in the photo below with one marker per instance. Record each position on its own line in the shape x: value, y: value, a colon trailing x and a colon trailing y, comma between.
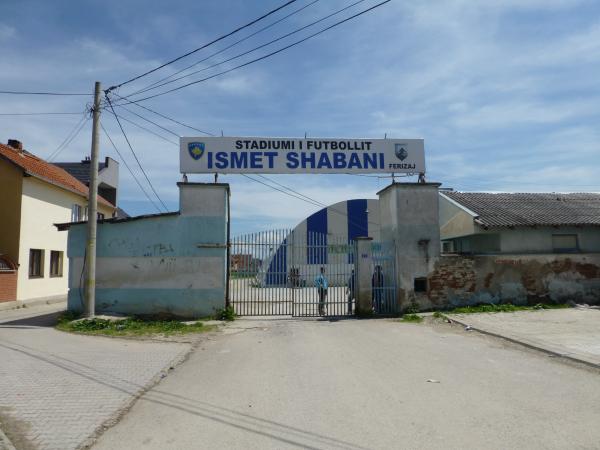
x: 34, y: 195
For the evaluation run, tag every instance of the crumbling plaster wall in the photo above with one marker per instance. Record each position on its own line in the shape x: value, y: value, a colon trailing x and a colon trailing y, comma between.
x: 520, y: 279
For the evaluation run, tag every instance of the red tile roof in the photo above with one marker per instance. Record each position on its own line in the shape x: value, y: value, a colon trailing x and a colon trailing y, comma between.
x: 34, y: 166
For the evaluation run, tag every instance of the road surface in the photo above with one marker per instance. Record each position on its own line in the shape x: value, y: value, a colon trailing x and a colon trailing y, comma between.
x: 363, y: 384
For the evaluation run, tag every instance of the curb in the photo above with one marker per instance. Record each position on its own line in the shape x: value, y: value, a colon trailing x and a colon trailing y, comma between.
x: 5, y: 443
x: 526, y: 344
x: 19, y: 304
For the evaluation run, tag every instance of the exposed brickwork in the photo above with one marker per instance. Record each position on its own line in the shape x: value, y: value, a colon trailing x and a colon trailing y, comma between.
x: 463, y: 280
x: 8, y: 286
x: 452, y: 275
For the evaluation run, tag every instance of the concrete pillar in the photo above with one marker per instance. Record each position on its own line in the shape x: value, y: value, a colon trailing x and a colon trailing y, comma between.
x: 203, y: 199
x: 409, y: 217
x: 362, y: 271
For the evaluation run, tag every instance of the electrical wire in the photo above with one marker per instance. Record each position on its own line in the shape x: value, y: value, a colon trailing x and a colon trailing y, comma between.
x: 203, y: 46
x: 129, y: 168
x: 42, y: 93
x: 229, y: 46
x: 134, y: 155
x: 148, y: 130
x: 268, y: 55
x: 42, y: 114
x: 304, y: 198
x: 83, y: 116
x: 129, y: 102
x: 149, y: 121
x: 251, y: 50
x: 68, y: 140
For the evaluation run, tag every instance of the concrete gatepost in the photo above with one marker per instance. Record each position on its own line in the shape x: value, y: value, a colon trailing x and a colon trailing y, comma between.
x: 363, y: 259
x: 409, y: 217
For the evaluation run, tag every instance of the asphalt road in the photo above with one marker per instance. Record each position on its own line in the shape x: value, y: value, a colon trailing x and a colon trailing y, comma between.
x: 358, y: 384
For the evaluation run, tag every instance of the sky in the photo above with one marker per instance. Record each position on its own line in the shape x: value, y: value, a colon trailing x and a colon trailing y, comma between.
x: 506, y: 94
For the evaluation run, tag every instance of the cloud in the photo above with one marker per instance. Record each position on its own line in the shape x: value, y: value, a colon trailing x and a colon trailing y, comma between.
x: 505, y: 94
x: 7, y: 32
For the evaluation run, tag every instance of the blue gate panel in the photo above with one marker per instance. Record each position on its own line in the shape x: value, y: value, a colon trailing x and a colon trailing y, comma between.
x: 316, y: 238
x: 277, y: 273
x: 358, y: 222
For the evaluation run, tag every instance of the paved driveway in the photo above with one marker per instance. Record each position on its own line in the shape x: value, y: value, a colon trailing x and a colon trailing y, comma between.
x: 363, y: 384
x: 56, y: 388
x: 573, y: 332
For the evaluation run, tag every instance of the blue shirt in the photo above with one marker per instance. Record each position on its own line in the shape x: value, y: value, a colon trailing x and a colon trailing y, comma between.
x: 321, y: 281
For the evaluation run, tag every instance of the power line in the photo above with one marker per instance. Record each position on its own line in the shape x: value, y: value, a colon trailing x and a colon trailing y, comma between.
x: 70, y: 137
x: 42, y: 114
x: 149, y: 121
x: 134, y: 155
x: 267, y: 55
x: 304, y: 198
x: 148, y: 130
x: 42, y: 93
x: 251, y: 50
x: 133, y: 102
x: 129, y: 168
x: 203, y: 46
x: 226, y: 48
x: 314, y: 203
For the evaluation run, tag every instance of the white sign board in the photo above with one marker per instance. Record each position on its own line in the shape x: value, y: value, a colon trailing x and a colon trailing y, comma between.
x: 309, y: 155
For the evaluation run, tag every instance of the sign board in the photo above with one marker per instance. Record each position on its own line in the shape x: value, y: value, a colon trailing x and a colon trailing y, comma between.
x: 309, y: 155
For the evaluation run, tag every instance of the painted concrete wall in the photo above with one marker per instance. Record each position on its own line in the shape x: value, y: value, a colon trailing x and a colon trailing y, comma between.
x: 455, y: 221
x: 170, y: 264
x: 519, y: 279
x: 539, y: 240
x: 410, y: 219
x: 43, y: 205
x: 10, y: 194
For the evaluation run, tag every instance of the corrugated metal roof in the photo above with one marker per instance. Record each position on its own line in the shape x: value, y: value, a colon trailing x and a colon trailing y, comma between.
x: 531, y: 209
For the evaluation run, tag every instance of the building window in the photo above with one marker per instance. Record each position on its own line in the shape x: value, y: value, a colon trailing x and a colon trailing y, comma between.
x: 420, y: 285
x: 56, y: 263
x: 36, y: 263
x: 565, y: 243
x: 447, y: 247
x: 76, y: 213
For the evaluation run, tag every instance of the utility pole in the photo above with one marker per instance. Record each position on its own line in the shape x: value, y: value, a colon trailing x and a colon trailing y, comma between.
x: 90, y: 263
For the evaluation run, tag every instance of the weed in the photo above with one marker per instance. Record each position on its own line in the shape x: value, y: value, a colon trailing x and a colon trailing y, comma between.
x: 505, y: 307
x: 131, y: 326
x: 414, y: 318
x: 228, y: 314
x: 413, y: 307
x: 438, y: 315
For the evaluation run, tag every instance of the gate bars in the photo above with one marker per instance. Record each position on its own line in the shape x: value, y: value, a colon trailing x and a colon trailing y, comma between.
x: 275, y: 272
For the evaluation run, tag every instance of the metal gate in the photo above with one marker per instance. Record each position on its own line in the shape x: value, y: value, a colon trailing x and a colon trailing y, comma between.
x: 287, y: 272
x: 383, y: 280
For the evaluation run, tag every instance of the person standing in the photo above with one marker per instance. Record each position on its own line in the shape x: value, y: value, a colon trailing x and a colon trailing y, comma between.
x: 350, y: 291
x: 321, y: 283
x: 377, y: 289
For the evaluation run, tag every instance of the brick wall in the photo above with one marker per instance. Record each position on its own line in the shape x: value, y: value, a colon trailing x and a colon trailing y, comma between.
x: 519, y: 279
x: 8, y: 286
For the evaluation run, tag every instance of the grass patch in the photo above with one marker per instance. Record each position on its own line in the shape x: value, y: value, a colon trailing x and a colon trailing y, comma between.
x: 131, y: 326
x: 227, y: 314
x: 413, y: 318
x: 507, y: 307
x: 438, y: 315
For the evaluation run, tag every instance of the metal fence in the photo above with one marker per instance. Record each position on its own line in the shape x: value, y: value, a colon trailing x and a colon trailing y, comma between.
x: 383, y: 280
x: 285, y: 272
x: 304, y: 274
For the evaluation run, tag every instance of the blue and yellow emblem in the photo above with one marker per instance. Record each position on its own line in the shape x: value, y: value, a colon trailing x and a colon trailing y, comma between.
x: 196, y: 149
